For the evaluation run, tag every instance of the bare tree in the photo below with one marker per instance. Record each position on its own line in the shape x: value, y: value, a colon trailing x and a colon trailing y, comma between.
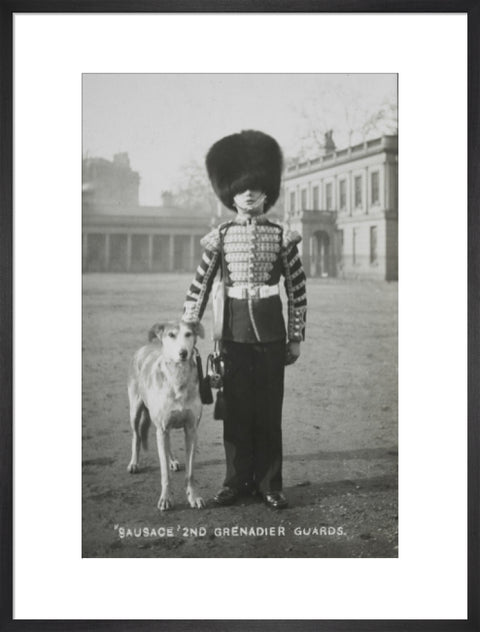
x: 349, y: 110
x: 194, y: 191
x: 381, y: 121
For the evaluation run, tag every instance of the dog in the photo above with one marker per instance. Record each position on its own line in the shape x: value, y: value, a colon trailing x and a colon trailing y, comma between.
x: 163, y: 388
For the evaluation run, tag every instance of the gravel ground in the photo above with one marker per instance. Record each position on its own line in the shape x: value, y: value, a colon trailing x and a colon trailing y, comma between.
x: 339, y: 426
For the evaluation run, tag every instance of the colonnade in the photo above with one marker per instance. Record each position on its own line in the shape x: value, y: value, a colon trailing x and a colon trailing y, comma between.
x: 139, y: 252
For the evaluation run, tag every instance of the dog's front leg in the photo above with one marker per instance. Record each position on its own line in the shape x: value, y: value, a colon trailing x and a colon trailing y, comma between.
x: 133, y: 465
x: 136, y: 411
x: 195, y: 500
x: 173, y: 462
x: 163, y: 443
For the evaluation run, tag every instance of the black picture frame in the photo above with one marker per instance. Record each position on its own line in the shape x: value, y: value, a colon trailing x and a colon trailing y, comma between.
x: 8, y: 9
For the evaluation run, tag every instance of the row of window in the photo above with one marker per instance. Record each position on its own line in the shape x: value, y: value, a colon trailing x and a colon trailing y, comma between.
x: 373, y: 246
x: 358, y: 201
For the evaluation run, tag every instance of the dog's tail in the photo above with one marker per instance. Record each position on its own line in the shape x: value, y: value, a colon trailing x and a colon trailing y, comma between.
x: 143, y: 426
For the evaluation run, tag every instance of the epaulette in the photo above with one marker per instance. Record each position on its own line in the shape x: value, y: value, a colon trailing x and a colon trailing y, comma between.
x: 212, y: 240
x: 290, y: 238
x: 221, y: 227
x: 270, y: 222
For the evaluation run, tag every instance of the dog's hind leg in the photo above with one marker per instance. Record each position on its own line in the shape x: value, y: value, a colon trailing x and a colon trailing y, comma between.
x: 193, y: 497
x: 163, y: 443
x: 137, y: 410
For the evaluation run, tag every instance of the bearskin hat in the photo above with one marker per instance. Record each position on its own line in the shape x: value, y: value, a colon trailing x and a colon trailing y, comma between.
x: 248, y: 160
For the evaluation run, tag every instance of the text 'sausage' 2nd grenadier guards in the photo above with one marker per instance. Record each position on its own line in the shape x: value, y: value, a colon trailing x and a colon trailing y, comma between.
x: 252, y: 254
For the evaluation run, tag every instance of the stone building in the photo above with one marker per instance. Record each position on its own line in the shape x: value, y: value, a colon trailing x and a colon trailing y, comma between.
x: 142, y: 239
x: 344, y: 204
x: 110, y: 182
x: 119, y: 235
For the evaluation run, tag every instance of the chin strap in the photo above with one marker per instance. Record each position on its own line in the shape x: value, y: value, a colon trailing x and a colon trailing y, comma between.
x: 259, y: 202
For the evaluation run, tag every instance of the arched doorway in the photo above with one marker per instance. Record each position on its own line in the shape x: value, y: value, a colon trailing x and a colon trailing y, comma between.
x: 320, y: 247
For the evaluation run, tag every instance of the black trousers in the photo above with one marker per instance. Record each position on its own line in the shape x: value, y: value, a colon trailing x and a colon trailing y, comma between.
x: 252, y: 427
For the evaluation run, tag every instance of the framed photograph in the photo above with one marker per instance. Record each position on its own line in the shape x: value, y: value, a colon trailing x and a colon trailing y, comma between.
x: 140, y: 264
x: 135, y: 137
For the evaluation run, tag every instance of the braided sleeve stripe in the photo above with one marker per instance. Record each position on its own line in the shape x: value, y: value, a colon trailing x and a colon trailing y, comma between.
x: 295, y: 282
x: 199, y: 290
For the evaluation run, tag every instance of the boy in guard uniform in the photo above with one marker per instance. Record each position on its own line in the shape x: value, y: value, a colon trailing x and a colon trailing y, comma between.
x: 252, y: 253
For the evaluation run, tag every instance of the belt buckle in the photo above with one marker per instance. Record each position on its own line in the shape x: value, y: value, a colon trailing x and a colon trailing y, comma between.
x: 254, y: 292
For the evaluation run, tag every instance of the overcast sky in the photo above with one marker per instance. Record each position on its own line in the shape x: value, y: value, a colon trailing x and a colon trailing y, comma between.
x: 165, y: 121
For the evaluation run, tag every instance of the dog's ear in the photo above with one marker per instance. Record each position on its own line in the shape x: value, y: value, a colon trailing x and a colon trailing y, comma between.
x: 156, y: 332
x: 198, y: 330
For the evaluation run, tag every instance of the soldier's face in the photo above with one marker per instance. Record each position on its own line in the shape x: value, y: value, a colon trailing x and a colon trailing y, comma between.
x: 249, y: 202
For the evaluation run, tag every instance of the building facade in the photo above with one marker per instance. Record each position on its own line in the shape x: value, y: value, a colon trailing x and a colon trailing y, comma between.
x: 146, y: 239
x: 110, y: 182
x: 119, y: 235
x: 345, y: 206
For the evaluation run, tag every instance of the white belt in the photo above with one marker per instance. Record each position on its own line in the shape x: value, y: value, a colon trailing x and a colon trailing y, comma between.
x: 258, y: 291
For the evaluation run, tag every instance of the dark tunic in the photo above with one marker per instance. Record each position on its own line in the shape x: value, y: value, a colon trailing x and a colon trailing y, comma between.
x: 253, y: 253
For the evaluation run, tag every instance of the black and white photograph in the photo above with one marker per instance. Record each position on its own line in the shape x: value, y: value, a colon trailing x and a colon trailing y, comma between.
x: 243, y: 384
x: 240, y: 315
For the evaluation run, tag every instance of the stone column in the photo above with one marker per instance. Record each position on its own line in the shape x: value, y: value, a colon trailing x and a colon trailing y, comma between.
x: 171, y: 253
x: 332, y: 254
x: 381, y: 186
x: 192, y: 253
x: 321, y: 257
x: 85, y: 252
x: 106, y: 261
x: 129, y: 252
x: 367, y: 191
x: 350, y: 194
x: 387, y: 188
x: 312, y: 266
x: 150, y: 253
